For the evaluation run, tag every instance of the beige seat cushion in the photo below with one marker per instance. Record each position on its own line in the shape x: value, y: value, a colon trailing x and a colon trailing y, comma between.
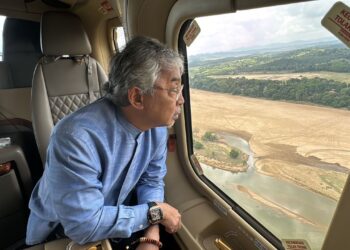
x: 63, y: 244
x: 53, y: 245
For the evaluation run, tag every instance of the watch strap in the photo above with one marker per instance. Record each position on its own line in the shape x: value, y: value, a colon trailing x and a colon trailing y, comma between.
x: 151, y: 204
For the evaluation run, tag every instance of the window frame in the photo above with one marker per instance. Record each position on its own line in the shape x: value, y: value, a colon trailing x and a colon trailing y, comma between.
x: 118, y: 47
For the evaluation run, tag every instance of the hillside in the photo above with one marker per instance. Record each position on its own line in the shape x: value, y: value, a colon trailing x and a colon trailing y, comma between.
x: 317, y: 74
x: 330, y: 57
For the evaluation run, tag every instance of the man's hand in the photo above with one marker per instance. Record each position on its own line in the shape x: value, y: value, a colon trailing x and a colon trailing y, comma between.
x: 171, y: 218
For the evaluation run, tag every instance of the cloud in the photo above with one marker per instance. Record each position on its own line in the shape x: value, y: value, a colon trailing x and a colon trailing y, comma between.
x: 263, y: 26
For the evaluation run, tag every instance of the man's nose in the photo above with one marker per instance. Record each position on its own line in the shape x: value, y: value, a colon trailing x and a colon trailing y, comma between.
x: 181, y: 100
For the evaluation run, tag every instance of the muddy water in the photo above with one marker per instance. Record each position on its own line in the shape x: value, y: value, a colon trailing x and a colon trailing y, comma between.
x: 286, y: 209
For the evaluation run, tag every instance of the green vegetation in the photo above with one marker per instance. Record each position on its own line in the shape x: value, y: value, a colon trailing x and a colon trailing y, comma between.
x: 328, y: 58
x: 314, y: 90
x: 311, y: 90
x: 209, y: 136
x: 234, y: 154
x: 210, y: 150
x: 197, y: 145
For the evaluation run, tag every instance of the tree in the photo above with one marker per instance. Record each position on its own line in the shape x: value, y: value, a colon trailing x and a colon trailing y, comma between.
x: 234, y: 153
x: 209, y: 136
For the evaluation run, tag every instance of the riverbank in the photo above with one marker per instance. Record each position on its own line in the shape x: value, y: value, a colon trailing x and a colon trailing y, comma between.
x: 278, y: 207
x: 215, y: 151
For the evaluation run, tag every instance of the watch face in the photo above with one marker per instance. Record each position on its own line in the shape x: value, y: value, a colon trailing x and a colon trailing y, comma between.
x: 155, y: 214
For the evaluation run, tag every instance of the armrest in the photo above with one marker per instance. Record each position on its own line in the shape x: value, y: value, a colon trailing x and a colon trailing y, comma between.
x: 15, y: 153
x: 98, y: 245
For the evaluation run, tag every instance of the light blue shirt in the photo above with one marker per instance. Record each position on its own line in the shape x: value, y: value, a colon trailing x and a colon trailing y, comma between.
x: 94, y: 160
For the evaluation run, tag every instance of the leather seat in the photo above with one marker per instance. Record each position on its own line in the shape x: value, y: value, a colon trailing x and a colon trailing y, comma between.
x: 70, y: 245
x: 21, y: 50
x: 66, y: 78
x: 15, y: 175
x: 5, y: 76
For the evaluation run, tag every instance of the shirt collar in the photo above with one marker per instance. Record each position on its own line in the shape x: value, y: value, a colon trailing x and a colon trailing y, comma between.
x: 127, y: 126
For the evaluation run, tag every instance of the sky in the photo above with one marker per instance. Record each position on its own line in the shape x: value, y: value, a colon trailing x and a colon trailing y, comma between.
x: 258, y: 27
x: 263, y: 26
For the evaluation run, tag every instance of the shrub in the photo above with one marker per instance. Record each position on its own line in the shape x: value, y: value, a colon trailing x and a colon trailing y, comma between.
x: 234, y: 154
x: 197, y: 145
x: 209, y: 136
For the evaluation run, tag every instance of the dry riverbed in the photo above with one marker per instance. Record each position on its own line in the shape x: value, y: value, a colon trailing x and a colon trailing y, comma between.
x: 305, y: 144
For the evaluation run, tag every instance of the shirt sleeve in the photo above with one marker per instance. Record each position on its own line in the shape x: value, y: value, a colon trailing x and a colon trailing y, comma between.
x: 74, y: 170
x: 151, y: 185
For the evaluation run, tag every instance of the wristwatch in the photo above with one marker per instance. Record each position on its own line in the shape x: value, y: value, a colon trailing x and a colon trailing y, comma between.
x: 155, y: 214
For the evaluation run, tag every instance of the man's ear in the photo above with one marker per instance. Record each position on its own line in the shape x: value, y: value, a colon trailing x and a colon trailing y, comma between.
x: 135, y: 97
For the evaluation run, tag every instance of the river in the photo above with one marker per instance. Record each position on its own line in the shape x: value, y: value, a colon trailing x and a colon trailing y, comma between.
x: 286, y: 209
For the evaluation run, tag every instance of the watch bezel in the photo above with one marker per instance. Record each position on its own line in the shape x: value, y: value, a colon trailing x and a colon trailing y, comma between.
x: 155, y: 213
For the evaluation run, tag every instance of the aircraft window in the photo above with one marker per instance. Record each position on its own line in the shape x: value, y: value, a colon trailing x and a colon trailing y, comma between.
x: 270, y: 101
x: 2, y: 20
x: 119, y: 38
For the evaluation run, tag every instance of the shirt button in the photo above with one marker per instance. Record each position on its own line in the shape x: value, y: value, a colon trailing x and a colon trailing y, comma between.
x: 141, y: 226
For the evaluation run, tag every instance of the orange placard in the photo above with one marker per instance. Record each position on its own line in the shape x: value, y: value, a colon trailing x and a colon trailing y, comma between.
x: 337, y: 21
x: 295, y: 244
x: 191, y: 33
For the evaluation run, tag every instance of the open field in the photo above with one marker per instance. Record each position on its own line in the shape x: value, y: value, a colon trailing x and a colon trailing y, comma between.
x: 341, y: 77
x: 304, y: 144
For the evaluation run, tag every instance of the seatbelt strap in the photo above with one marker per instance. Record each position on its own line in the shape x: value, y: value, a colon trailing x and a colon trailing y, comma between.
x: 49, y: 59
x: 90, y: 79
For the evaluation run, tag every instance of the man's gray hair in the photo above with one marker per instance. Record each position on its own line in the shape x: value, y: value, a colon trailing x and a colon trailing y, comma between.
x: 139, y: 64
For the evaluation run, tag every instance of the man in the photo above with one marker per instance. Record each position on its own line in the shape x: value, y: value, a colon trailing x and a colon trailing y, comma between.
x: 101, y: 154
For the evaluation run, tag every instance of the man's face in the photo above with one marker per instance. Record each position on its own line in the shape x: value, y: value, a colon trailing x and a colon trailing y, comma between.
x: 164, y: 106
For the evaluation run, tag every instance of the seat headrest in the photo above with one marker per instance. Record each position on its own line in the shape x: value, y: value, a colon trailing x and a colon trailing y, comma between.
x: 21, y: 49
x: 5, y: 76
x: 62, y: 33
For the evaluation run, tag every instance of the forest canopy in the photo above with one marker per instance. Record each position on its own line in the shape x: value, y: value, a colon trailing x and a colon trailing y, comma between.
x: 315, y: 90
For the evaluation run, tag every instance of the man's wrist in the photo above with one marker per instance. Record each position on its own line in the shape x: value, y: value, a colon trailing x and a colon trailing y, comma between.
x: 152, y: 232
x: 146, y: 240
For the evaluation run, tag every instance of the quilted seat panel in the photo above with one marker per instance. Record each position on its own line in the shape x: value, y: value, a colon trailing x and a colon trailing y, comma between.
x: 64, y: 105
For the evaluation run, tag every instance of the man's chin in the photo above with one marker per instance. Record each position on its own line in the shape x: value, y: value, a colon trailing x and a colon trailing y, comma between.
x: 172, y: 121
x: 169, y: 125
